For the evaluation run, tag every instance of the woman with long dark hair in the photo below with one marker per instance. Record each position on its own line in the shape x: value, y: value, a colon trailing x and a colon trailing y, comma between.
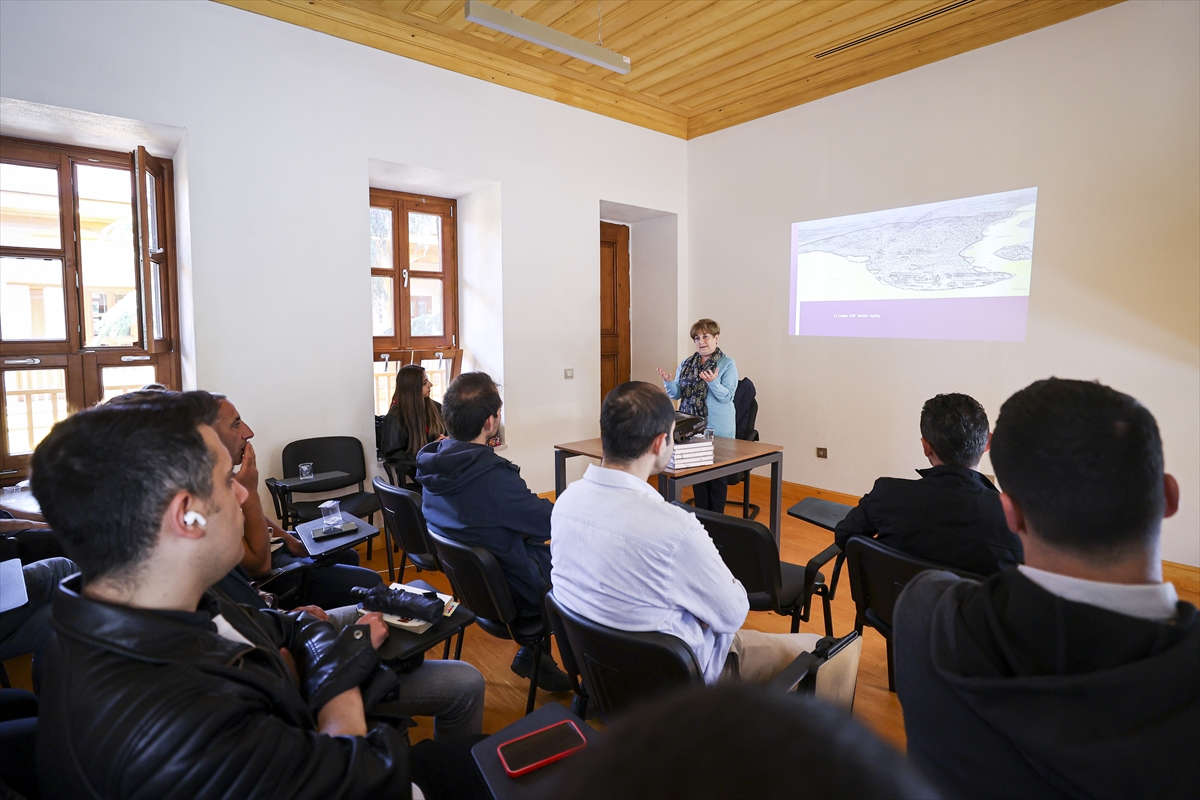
x: 413, y: 420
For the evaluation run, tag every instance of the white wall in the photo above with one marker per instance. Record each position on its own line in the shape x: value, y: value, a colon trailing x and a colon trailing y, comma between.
x: 653, y: 287
x: 1100, y: 113
x: 281, y: 123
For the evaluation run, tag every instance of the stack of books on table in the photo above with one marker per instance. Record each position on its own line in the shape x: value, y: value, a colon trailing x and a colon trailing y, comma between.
x: 695, y: 452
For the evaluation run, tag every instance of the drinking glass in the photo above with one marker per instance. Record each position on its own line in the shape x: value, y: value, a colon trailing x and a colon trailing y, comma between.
x: 306, y: 471
x: 331, y: 513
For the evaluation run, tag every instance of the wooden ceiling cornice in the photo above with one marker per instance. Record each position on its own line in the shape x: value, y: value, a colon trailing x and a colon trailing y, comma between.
x: 698, y: 65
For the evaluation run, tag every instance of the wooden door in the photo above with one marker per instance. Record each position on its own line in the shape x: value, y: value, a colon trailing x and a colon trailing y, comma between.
x: 614, y: 306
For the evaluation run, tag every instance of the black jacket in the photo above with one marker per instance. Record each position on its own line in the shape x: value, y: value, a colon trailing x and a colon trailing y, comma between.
x: 474, y: 496
x: 155, y: 704
x: 393, y: 441
x: 951, y: 516
x: 1010, y: 691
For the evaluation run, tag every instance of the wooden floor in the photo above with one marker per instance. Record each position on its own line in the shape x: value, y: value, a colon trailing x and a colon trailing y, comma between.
x: 874, y: 705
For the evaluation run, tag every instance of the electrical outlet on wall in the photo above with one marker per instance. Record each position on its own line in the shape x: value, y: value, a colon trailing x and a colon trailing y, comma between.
x: 822, y: 452
x: 568, y: 374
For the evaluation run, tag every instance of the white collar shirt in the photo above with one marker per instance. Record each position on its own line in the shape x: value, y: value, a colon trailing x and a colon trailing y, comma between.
x: 1153, y: 601
x: 624, y: 557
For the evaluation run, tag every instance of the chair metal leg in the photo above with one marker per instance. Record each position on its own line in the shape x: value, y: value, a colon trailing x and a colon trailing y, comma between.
x: 828, y: 614
x: 403, y: 559
x: 533, y: 677
x: 796, y: 619
x: 387, y: 546
x: 458, y: 647
x: 837, y: 571
x: 891, y: 666
x: 746, y: 495
x: 446, y: 651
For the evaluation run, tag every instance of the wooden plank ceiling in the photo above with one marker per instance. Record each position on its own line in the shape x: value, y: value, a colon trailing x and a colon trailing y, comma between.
x: 698, y: 65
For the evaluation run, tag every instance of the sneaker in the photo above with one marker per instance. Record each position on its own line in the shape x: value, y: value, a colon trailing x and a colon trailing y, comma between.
x: 551, y: 678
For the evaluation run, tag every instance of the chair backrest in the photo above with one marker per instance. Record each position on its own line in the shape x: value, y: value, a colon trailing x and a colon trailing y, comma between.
x: 743, y: 402
x: 619, y: 668
x: 326, y: 454
x: 747, y: 547
x: 878, y: 574
x: 406, y: 524
x: 477, y: 579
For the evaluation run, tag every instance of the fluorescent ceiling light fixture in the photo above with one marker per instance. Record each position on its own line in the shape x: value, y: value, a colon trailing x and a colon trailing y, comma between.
x: 506, y: 22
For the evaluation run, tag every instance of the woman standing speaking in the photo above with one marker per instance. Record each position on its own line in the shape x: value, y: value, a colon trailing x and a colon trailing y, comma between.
x: 705, y: 387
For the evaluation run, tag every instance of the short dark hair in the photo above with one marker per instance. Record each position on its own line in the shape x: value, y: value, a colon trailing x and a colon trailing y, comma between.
x: 738, y: 740
x: 1085, y: 464
x: 105, y: 476
x: 956, y: 427
x: 469, y: 400
x: 634, y: 414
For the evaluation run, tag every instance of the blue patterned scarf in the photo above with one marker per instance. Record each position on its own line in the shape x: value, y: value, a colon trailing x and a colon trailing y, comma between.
x: 693, y: 391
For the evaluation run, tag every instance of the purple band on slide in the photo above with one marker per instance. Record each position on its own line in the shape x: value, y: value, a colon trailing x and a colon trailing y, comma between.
x: 992, y: 319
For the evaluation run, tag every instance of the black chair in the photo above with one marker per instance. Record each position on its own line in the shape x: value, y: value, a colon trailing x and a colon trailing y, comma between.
x: 402, y: 472
x: 878, y: 574
x: 618, y: 668
x: 748, y: 548
x: 404, y: 528
x: 327, y: 454
x: 479, y: 584
x: 745, y: 407
x: 830, y: 671
x: 746, y: 412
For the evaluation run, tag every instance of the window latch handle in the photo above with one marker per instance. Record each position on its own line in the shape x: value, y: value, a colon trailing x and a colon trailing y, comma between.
x: 404, y: 272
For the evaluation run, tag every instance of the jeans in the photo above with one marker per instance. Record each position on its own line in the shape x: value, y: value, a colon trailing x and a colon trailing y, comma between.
x: 328, y: 587
x: 26, y: 629
x: 449, y: 691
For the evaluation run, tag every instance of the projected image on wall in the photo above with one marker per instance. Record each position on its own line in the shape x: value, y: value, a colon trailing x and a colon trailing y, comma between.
x: 958, y: 269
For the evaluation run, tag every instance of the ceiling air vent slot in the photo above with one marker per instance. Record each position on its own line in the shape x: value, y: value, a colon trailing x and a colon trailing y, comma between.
x: 893, y: 28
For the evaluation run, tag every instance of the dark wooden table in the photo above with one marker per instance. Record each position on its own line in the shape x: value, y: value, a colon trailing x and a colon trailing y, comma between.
x: 540, y: 782
x: 730, y: 457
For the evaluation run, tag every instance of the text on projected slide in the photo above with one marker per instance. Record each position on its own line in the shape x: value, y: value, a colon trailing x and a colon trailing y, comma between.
x: 958, y: 269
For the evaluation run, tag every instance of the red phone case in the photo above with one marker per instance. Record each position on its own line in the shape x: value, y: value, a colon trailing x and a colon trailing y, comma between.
x: 544, y: 761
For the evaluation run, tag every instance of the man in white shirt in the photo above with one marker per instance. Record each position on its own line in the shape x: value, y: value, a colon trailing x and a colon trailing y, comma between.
x: 1073, y: 675
x: 624, y: 557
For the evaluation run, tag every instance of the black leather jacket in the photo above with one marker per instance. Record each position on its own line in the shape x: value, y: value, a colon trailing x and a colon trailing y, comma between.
x: 156, y: 704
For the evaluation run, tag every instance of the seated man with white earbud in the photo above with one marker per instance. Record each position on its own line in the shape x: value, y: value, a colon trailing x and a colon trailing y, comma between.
x: 154, y: 685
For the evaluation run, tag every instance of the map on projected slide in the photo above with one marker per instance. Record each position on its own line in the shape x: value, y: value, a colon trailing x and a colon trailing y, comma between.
x: 973, y: 247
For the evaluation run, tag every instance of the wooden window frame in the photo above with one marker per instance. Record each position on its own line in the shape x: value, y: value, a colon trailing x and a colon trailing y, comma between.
x: 84, y: 365
x: 402, y: 348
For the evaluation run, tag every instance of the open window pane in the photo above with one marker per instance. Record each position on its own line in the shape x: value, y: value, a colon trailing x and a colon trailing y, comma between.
x: 107, y: 255
x: 31, y: 299
x: 381, y: 238
x: 383, y: 315
x: 29, y: 207
x: 438, y: 372
x: 385, y: 386
x: 152, y: 211
x: 425, y: 305
x: 424, y: 242
x: 156, y: 298
x: 34, y: 399
x: 119, y: 380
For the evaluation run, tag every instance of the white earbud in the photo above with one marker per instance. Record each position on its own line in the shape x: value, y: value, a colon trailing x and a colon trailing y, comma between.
x: 194, y: 518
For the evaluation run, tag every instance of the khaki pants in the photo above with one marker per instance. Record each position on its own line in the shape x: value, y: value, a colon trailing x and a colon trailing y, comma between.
x: 757, y: 657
